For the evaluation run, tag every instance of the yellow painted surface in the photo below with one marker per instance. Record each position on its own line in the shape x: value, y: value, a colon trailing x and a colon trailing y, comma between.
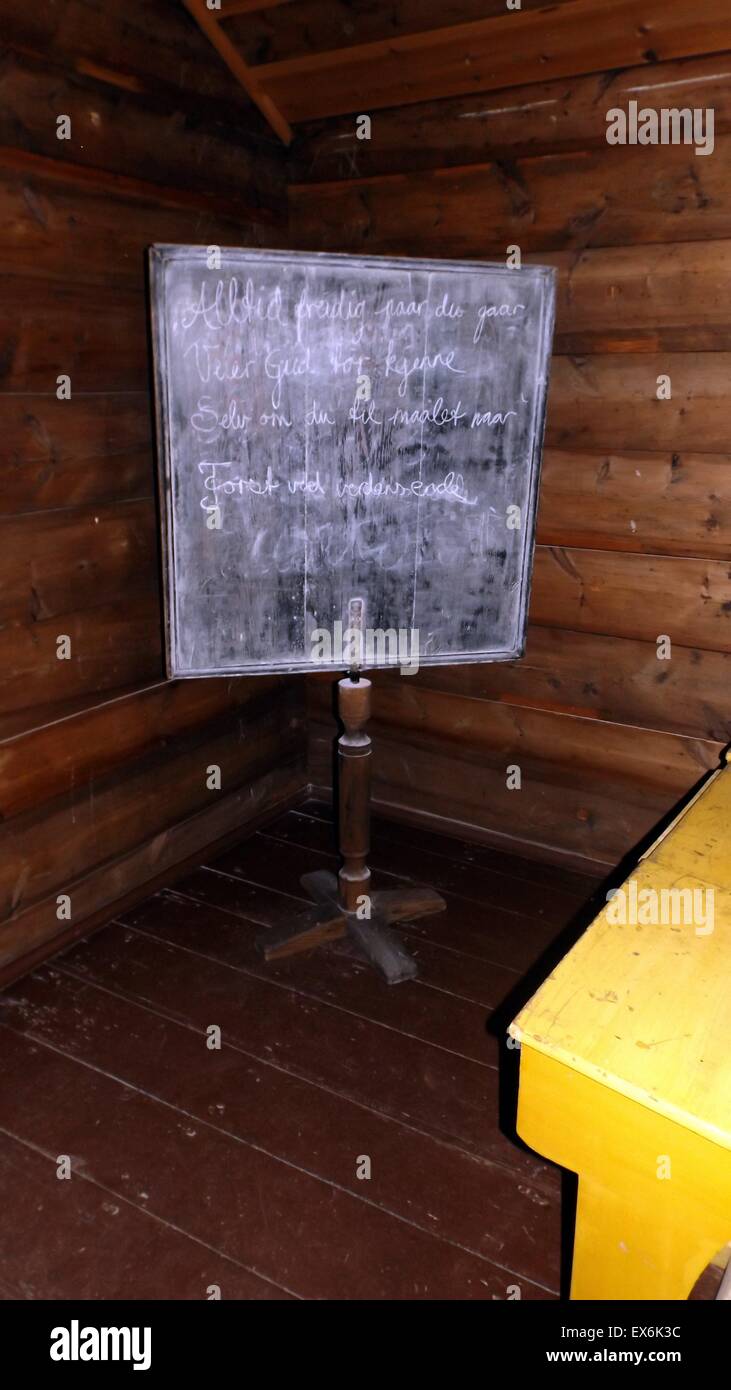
x: 625, y: 1073
x: 700, y: 842
x: 654, y: 1203
x: 646, y: 1007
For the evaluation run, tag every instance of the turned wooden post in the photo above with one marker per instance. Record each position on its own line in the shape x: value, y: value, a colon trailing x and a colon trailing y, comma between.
x: 354, y: 763
x: 335, y: 912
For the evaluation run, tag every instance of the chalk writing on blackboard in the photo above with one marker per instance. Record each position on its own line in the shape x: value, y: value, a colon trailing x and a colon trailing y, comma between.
x: 338, y: 426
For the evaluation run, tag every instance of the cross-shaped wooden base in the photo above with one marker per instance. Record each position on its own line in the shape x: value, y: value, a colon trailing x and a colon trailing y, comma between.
x: 328, y: 921
x: 345, y: 906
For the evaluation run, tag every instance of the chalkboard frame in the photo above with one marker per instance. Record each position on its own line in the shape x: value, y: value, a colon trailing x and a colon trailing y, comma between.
x: 159, y: 256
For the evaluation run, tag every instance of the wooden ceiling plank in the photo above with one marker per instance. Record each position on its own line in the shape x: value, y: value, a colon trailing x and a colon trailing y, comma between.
x: 240, y: 69
x: 313, y: 26
x: 576, y: 38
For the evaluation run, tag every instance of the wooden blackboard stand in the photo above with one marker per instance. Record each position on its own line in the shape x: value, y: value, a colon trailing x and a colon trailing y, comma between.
x: 344, y: 437
x: 345, y: 906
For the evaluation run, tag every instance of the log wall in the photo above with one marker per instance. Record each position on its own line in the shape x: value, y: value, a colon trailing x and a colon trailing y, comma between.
x: 634, y: 516
x: 105, y: 769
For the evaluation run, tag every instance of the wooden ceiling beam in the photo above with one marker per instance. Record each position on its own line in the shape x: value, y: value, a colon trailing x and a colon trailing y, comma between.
x: 568, y: 40
x: 247, y: 76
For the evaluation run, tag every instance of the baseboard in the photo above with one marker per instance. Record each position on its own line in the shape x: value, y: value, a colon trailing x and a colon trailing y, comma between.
x: 34, y: 936
x: 476, y: 834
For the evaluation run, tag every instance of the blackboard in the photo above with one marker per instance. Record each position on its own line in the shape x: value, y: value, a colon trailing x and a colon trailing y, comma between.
x: 342, y: 436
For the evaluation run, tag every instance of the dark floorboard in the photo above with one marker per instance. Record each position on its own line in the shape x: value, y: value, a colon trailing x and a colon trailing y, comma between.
x: 297, y: 1129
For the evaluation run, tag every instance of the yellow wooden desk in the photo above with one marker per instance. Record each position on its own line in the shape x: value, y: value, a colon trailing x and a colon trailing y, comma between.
x: 625, y: 1067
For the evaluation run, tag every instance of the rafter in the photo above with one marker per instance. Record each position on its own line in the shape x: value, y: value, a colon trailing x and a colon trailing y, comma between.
x: 557, y: 41
x: 244, y: 74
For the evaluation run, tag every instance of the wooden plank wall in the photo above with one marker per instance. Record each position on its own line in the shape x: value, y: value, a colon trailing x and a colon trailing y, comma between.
x: 635, y: 503
x: 104, y: 766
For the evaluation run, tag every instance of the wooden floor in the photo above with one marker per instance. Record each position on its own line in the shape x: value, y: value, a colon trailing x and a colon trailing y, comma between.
x: 242, y: 1166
